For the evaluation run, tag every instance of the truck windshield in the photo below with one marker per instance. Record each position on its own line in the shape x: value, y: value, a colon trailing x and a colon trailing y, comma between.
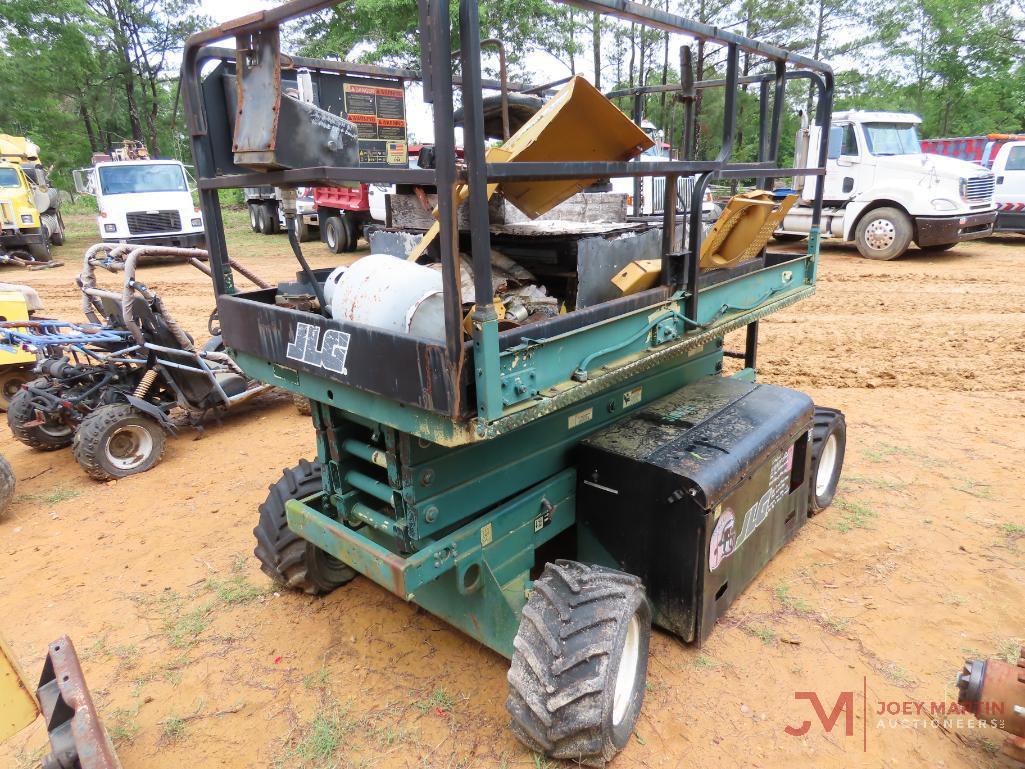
x: 149, y: 177
x: 9, y: 178
x: 892, y: 139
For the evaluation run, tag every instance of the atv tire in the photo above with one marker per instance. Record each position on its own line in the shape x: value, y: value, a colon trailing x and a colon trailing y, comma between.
x: 44, y: 437
x: 828, y: 443
x: 7, y: 484
x: 578, y: 671
x: 117, y: 441
x: 286, y: 557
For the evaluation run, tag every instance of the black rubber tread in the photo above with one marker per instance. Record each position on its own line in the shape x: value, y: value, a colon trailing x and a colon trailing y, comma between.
x: 303, y: 229
x: 21, y: 411
x: 825, y: 421
x: 254, y: 217
x: 563, y: 672
x: 11, y: 380
x: 269, y: 223
x: 286, y: 557
x: 90, y: 436
x: 352, y: 233
x: 40, y: 251
x: 7, y: 484
x: 334, y: 230
x: 55, y: 228
x: 902, y: 225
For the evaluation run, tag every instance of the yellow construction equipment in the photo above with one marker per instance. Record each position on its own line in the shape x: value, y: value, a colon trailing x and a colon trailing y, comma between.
x: 30, y: 219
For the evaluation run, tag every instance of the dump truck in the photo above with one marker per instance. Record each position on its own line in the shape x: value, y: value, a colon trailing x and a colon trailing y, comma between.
x: 141, y: 200
x: 550, y: 471
x: 30, y: 220
x: 882, y: 193
x: 1004, y: 155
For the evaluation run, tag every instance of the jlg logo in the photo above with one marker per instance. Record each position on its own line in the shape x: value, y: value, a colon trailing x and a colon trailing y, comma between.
x: 330, y: 355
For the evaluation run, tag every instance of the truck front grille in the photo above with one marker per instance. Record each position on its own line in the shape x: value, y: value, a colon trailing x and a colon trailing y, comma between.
x: 144, y: 222
x: 979, y: 189
x: 684, y: 186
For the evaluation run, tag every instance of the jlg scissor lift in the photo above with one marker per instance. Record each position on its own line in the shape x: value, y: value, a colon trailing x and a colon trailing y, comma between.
x: 552, y: 489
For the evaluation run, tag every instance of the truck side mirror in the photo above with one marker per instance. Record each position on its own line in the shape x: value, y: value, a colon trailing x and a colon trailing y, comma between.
x: 835, y: 142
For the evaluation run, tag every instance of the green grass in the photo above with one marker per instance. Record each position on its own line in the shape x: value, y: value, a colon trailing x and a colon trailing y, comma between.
x: 896, y: 674
x: 1012, y: 530
x: 173, y: 728
x: 764, y: 634
x: 235, y: 590
x: 318, y: 743
x: 1008, y: 650
x: 854, y: 515
x: 791, y: 602
x: 121, y: 725
x: 439, y: 698
x: 55, y: 497
x: 838, y: 625
x: 316, y: 680
x: 706, y: 662
x: 883, y: 451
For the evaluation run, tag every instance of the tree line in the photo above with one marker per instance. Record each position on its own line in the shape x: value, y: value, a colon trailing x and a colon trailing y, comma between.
x: 78, y: 76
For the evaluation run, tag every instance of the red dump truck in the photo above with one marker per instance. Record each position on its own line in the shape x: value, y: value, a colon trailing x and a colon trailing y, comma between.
x: 1004, y: 155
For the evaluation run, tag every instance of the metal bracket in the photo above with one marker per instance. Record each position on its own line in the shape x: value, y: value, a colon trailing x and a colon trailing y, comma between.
x: 519, y: 386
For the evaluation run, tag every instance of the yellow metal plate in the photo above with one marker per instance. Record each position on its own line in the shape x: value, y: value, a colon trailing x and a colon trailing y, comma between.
x: 18, y: 707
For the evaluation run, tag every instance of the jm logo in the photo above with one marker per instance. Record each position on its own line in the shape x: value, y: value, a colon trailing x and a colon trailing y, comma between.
x: 844, y: 706
x: 331, y: 355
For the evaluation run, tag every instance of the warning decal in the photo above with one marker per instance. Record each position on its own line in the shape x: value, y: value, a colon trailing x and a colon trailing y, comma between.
x: 380, y: 117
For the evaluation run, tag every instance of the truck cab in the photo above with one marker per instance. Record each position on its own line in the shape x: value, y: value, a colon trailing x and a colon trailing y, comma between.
x: 29, y: 217
x: 1009, y: 170
x: 882, y: 192
x: 143, y: 201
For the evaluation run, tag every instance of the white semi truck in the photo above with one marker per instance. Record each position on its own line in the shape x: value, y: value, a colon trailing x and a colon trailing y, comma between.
x: 142, y: 200
x: 883, y: 193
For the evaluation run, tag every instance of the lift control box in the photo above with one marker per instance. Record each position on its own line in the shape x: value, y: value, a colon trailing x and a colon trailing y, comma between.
x: 695, y: 493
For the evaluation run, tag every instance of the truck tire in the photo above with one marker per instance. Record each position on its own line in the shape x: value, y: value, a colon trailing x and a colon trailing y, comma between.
x: 7, y: 484
x: 303, y: 230
x: 883, y: 234
x: 335, y: 235
x: 49, y: 436
x: 117, y: 441
x: 254, y: 217
x: 54, y: 227
x: 352, y: 233
x: 828, y: 444
x: 39, y: 252
x: 578, y: 671
x: 269, y: 220
x: 286, y: 557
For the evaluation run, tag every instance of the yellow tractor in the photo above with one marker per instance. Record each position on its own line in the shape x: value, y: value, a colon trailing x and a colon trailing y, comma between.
x: 30, y: 220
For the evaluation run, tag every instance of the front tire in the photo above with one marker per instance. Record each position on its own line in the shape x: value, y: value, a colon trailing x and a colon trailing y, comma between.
x: 828, y: 445
x: 578, y: 672
x: 117, y: 441
x: 335, y: 235
x: 883, y: 234
x: 286, y: 557
x: 48, y: 436
x: 254, y: 217
x: 40, y: 252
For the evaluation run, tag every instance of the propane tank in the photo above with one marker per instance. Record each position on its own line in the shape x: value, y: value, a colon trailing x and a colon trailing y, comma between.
x: 389, y: 293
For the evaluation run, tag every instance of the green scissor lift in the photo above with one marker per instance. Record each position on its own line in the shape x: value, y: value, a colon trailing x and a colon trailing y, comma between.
x: 550, y: 490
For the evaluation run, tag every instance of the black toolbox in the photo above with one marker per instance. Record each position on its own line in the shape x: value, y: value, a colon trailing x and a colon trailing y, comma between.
x: 695, y: 493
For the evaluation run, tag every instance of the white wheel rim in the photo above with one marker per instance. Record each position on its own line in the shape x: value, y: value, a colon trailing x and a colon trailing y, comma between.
x: 128, y: 447
x: 827, y: 464
x: 332, y: 238
x: 626, y: 676
x: 880, y: 234
x: 253, y: 220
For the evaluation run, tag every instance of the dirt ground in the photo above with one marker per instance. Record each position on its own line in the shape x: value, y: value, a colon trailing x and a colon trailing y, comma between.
x: 195, y: 660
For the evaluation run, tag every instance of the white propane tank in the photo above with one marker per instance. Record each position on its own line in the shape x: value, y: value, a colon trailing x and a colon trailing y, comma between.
x: 389, y: 293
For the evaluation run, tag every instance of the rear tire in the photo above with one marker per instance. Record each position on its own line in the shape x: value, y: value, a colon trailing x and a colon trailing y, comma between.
x: 286, y: 557
x: 269, y: 218
x: 55, y: 226
x: 335, y: 235
x: 11, y: 380
x: 828, y: 445
x: 44, y: 437
x: 883, y: 234
x: 7, y: 484
x: 117, y: 441
x: 254, y: 217
x: 578, y: 672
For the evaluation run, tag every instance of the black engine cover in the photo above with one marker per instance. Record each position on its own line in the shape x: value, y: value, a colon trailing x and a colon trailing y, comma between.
x: 695, y: 493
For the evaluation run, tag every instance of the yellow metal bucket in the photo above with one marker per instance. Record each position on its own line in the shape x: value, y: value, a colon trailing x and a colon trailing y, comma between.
x: 577, y: 125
